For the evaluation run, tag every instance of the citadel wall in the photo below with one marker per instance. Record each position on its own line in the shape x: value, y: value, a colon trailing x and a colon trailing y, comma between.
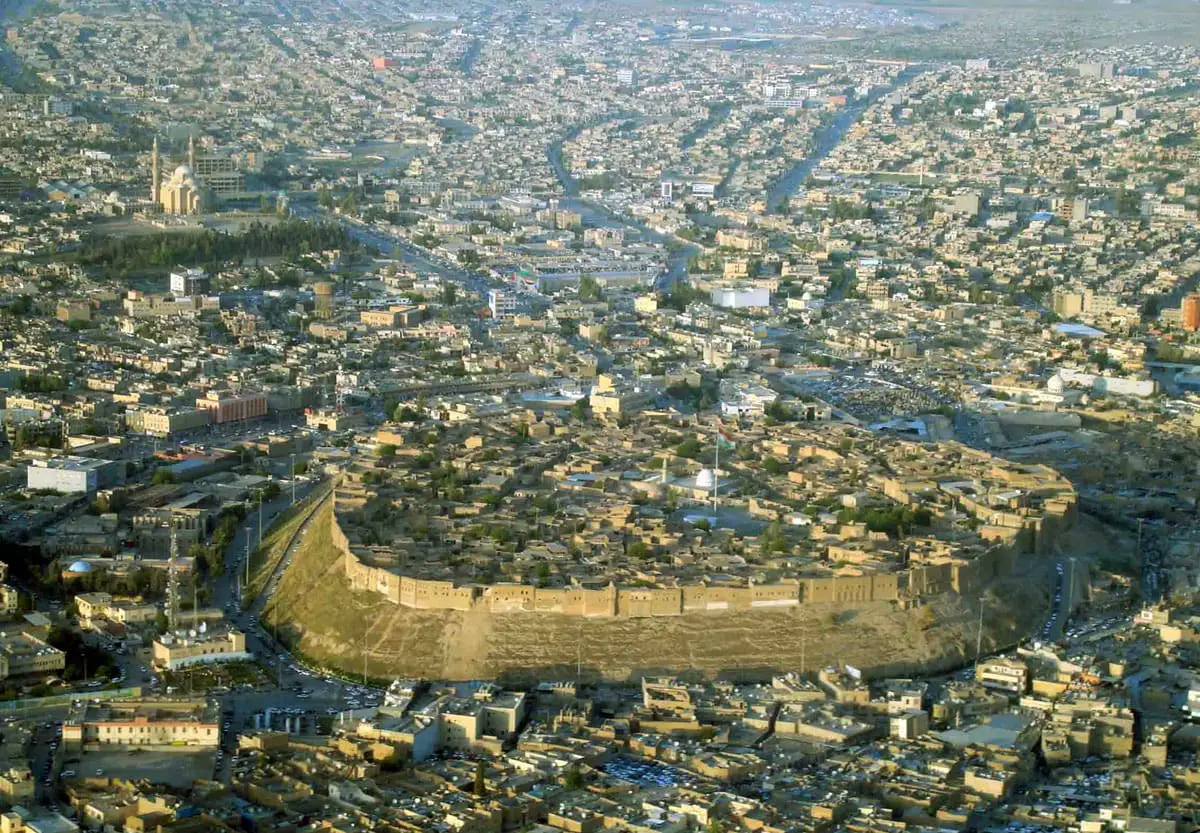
x: 943, y: 574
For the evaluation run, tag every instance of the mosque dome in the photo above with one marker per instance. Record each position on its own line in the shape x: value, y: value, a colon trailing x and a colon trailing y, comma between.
x: 80, y: 567
x: 1055, y: 384
x: 182, y: 172
x: 704, y: 480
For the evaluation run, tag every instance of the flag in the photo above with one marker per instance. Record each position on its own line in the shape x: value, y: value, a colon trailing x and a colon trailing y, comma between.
x: 723, y: 439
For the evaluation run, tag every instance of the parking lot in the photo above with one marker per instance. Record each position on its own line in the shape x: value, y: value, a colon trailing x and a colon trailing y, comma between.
x: 647, y: 773
x: 177, y: 768
x: 877, y: 395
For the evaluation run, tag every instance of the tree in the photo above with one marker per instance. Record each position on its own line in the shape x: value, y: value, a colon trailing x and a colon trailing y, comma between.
x: 1128, y: 202
x: 772, y: 466
x: 573, y: 779
x: 385, y: 451
x: 779, y: 412
x: 589, y: 289
x: 773, y: 539
x: 449, y: 293
x: 405, y: 413
x: 480, y: 778
x: 638, y: 550
x: 162, y: 476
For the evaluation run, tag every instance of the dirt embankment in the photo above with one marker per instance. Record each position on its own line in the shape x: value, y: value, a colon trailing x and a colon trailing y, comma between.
x: 333, y: 625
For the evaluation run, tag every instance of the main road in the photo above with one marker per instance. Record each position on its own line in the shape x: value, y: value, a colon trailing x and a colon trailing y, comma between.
x: 304, y: 207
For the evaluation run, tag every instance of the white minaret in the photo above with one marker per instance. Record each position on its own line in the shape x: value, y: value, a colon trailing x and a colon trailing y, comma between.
x: 192, y: 153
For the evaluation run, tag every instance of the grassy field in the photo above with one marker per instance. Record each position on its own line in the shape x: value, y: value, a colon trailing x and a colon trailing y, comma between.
x: 266, y: 557
x: 319, y: 615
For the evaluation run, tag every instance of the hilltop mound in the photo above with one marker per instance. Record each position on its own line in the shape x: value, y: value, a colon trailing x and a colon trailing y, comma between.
x: 319, y: 614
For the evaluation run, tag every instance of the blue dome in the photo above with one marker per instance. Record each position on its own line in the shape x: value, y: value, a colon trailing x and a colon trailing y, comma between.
x: 80, y: 567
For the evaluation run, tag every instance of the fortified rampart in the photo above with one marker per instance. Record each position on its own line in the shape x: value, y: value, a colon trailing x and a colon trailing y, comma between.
x: 1009, y: 534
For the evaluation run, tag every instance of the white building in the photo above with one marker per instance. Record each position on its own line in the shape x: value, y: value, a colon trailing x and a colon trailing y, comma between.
x: 502, y: 303
x: 745, y: 399
x: 733, y: 298
x: 188, y: 281
x: 909, y: 724
x: 65, y: 474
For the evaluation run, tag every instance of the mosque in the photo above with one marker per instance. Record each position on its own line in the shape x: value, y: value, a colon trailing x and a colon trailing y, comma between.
x: 181, y: 193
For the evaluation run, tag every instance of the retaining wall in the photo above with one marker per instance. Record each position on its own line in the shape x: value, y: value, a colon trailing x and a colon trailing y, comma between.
x: 948, y: 574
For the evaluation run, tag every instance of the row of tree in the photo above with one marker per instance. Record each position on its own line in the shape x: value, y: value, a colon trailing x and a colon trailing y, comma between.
x: 289, y: 239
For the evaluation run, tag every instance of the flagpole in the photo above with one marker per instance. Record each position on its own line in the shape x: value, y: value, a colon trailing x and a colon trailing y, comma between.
x: 716, y: 467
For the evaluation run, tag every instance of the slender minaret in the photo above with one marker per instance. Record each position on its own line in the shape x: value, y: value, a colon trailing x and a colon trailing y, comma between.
x: 155, y: 173
x: 173, y: 583
x: 192, y: 153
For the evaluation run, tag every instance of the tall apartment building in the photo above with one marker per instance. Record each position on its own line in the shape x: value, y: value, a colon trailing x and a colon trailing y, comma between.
x: 1190, y: 312
x: 1096, y: 69
x: 188, y: 281
x: 324, y: 304
x: 1067, y: 304
x: 502, y: 303
x: 225, y: 406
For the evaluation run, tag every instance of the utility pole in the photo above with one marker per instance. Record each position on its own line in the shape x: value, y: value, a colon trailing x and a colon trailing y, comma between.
x: 293, y: 479
x: 716, y: 468
x: 260, y: 519
x: 246, y: 583
x: 979, y: 635
x: 1070, y: 591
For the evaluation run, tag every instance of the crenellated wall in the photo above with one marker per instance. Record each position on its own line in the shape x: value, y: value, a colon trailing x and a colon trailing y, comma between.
x: 946, y: 574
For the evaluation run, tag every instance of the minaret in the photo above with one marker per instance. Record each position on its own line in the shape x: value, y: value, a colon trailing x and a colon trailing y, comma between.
x: 155, y: 174
x: 173, y: 582
x: 192, y: 153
